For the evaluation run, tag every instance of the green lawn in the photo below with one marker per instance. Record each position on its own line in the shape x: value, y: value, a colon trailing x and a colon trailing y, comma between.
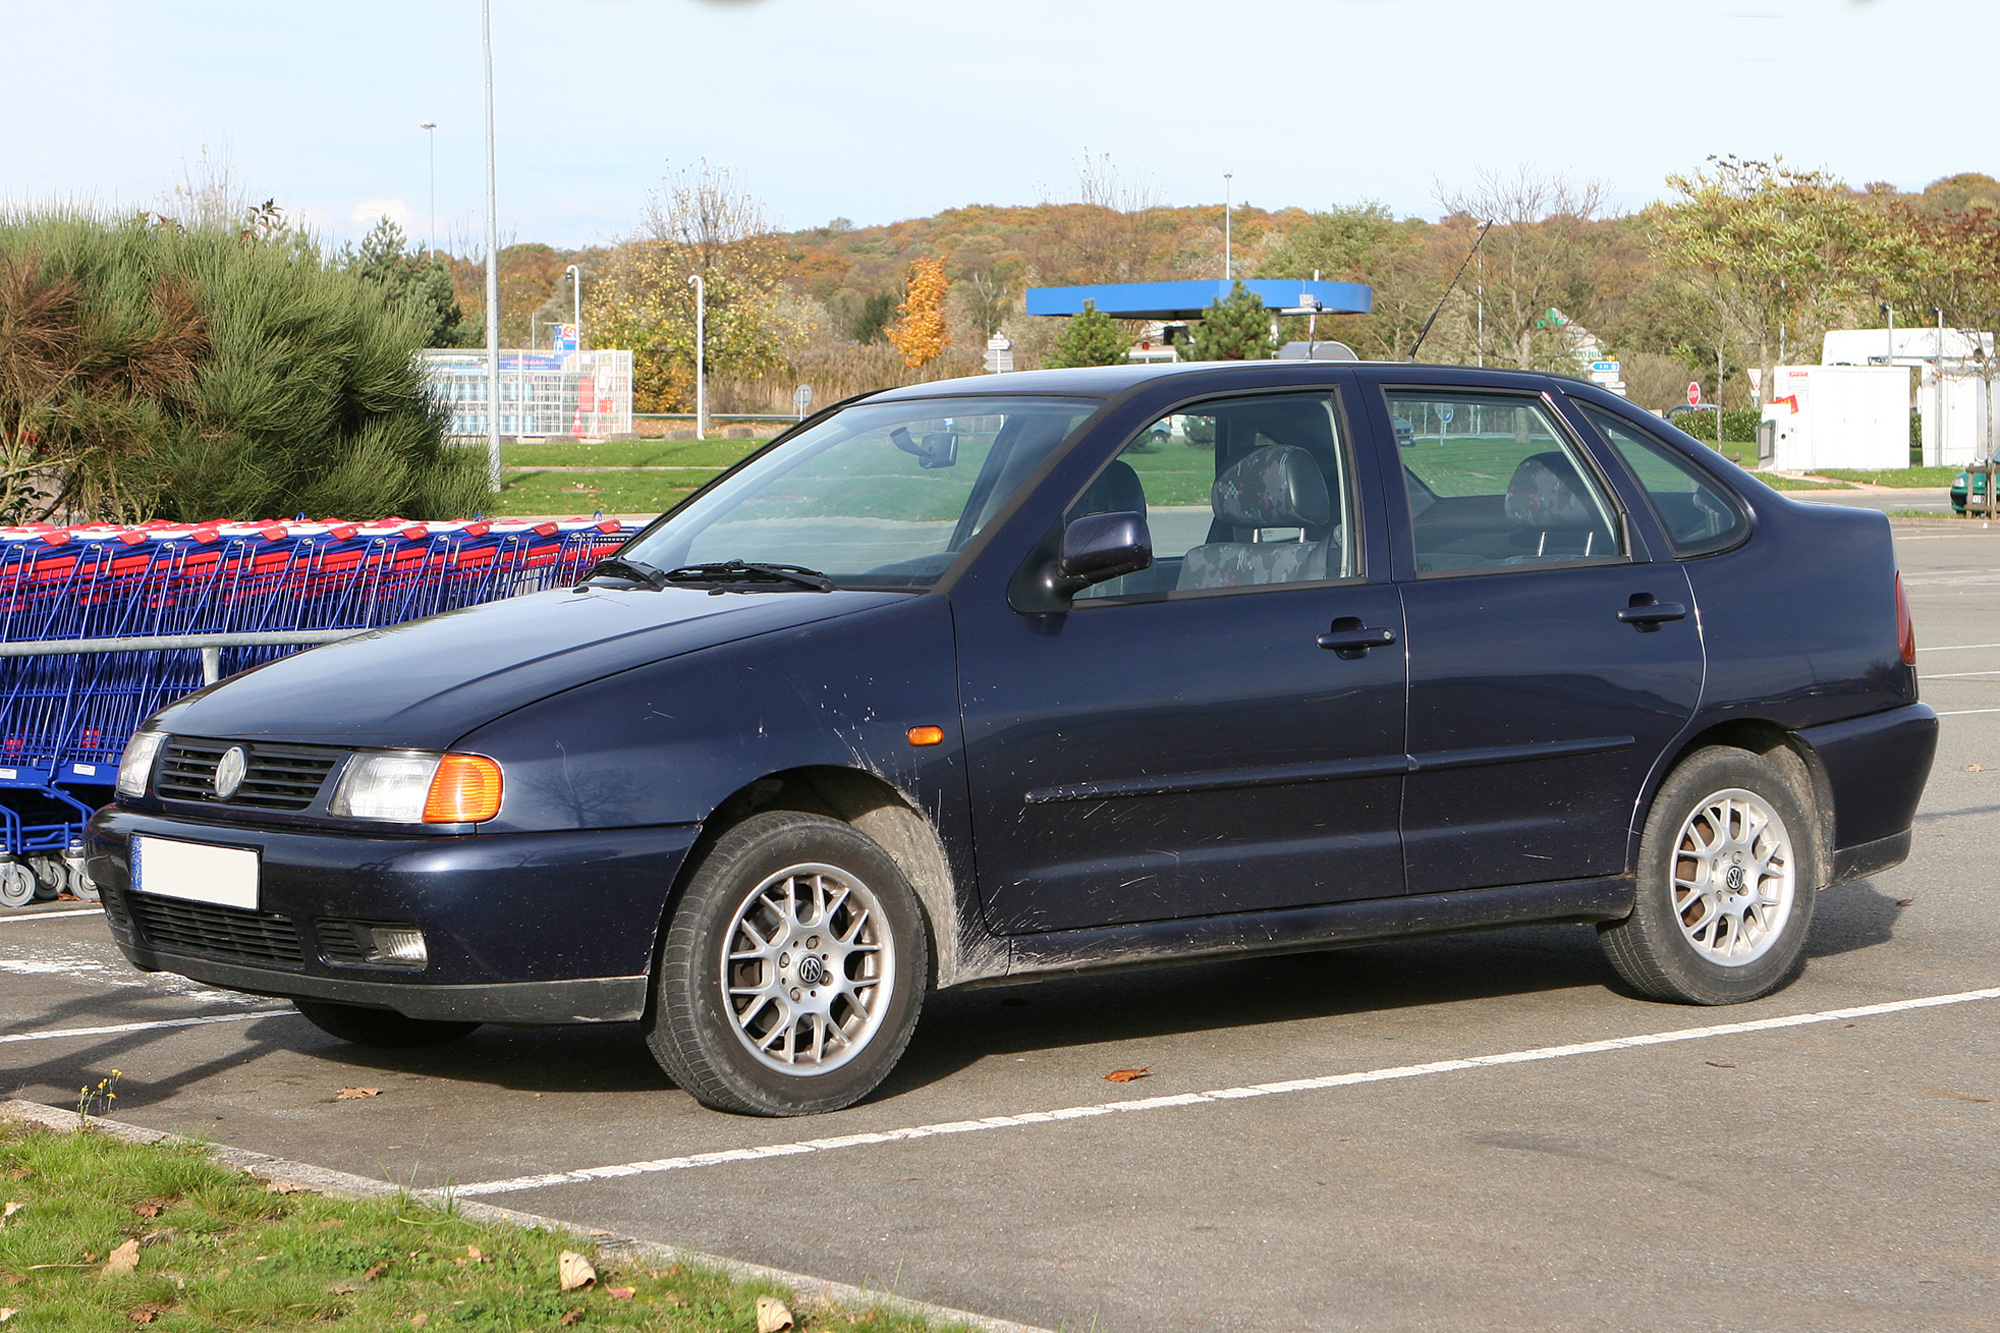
x: 1902, y: 476
x: 1782, y: 483
x: 216, y: 1249
x: 713, y: 452
x: 583, y: 493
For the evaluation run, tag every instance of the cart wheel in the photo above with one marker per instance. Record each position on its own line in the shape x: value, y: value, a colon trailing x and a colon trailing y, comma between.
x: 17, y: 884
x: 81, y: 884
x: 51, y: 876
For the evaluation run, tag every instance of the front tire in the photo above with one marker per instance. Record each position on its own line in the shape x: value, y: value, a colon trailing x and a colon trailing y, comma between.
x: 1726, y: 883
x: 793, y: 969
x: 382, y: 1028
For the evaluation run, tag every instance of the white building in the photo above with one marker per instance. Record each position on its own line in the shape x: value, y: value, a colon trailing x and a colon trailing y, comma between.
x: 1952, y: 391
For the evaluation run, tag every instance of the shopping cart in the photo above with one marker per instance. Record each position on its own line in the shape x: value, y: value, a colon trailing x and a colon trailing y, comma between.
x: 100, y: 627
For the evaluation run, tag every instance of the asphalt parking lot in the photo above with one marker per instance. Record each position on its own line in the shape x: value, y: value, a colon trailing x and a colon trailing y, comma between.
x: 1323, y: 1141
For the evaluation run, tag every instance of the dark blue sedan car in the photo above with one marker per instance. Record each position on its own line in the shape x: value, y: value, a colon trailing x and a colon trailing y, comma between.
x: 1036, y: 673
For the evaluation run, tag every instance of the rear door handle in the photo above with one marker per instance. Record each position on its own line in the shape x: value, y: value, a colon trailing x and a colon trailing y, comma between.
x: 1350, y: 638
x: 1646, y: 612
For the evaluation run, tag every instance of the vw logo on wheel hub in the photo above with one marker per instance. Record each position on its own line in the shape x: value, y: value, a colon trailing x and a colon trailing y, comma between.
x: 229, y: 772
x: 811, y: 970
x: 1734, y: 878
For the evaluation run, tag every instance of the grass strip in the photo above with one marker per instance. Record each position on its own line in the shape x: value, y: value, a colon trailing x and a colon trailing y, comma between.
x: 1779, y: 482
x: 216, y: 1248
x: 1904, y: 477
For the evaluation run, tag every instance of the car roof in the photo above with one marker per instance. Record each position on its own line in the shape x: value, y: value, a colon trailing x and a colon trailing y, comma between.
x: 1109, y: 381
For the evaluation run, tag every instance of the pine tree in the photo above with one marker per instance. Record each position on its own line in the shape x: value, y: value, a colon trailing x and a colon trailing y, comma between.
x: 1092, y: 338
x: 1237, y: 329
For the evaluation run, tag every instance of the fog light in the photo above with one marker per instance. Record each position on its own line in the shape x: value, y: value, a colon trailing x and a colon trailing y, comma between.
x: 397, y: 946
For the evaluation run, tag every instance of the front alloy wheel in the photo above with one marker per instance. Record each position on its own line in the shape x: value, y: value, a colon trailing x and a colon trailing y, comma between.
x: 792, y: 969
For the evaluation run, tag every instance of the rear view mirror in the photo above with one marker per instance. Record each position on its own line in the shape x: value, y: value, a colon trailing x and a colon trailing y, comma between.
x: 936, y: 449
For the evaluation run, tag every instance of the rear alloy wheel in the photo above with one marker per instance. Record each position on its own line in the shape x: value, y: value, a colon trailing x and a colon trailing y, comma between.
x: 1725, y: 884
x: 793, y: 969
x: 379, y: 1027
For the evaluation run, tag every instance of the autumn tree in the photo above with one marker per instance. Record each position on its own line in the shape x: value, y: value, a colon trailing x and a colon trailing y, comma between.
x: 1236, y: 329
x: 1949, y: 262
x: 700, y: 224
x: 1537, y: 259
x: 1778, y: 253
x: 1110, y: 231
x: 1092, y: 338
x: 919, y: 332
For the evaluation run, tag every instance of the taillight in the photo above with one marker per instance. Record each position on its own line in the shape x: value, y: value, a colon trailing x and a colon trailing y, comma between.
x: 1906, y: 633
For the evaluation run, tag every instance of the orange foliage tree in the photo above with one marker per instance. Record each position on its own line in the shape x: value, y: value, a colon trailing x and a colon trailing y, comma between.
x: 919, y: 333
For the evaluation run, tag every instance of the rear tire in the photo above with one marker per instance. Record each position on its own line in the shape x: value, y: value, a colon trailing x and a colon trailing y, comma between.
x: 792, y: 971
x: 1727, y: 875
x: 382, y: 1028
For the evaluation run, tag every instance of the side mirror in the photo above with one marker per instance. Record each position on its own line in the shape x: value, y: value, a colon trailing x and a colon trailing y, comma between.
x: 1093, y: 549
x: 1099, y: 547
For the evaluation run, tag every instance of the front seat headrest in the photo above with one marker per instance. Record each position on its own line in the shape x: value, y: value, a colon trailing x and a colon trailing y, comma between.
x: 1278, y: 486
x: 1545, y: 493
x: 1116, y: 490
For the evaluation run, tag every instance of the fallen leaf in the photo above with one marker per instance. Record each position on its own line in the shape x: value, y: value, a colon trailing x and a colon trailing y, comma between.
x: 1959, y: 1096
x: 150, y: 1208
x: 353, y: 1094
x: 1972, y: 768
x: 1126, y: 1075
x: 18, y: 1173
x: 1906, y: 902
x: 572, y: 1316
x: 1721, y: 1064
x: 773, y: 1315
x: 574, y: 1271
x: 419, y: 1319
x: 473, y: 1253
x: 7, y: 1313
x: 285, y: 1187
x: 144, y: 1314
x: 8, y: 1212
x: 620, y: 1293
x: 375, y: 1271
x: 123, y: 1259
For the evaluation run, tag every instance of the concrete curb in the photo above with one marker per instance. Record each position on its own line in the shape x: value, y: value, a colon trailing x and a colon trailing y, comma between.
x: 342, y: 1185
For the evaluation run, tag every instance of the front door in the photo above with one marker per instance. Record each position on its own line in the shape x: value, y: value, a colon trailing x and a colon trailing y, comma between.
x: 1549, y: 669
x: 1180, y: 743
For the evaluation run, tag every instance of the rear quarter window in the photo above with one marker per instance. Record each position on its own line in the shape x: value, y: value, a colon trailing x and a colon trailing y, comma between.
x: 1699, y: 514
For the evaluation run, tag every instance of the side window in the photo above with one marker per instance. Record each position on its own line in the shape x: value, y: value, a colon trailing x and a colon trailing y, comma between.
x: 1494, y: 483
x: 1238, y: 493
x: 1698, y: 514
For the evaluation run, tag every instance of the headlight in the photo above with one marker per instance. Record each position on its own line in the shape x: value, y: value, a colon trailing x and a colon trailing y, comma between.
x: 412, y: 787
x: 137, y: 766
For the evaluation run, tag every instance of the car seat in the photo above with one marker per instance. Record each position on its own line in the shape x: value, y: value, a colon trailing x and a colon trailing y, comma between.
x: 1277, y: 486
x: 1546, y: 497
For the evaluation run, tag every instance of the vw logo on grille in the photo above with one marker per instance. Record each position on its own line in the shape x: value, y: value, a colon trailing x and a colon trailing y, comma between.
x: 229, y: 772
x: 811, y: 970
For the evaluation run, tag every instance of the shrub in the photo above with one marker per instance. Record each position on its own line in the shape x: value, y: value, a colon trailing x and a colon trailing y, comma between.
x: 154, y: 371
x: 1237, y: 329
x: 1092, y: 338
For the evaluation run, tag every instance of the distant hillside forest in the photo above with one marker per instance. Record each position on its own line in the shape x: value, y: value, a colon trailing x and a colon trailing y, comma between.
x: 1741, y: 264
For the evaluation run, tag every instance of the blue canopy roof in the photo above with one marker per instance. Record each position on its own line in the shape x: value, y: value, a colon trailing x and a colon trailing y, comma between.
x: 1187, y: 300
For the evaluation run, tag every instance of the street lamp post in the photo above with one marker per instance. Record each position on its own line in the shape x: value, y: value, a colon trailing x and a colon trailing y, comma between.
x: 700, y: 357
x: 429, y: 128
x: 576, y: 292
x: 492, y: 266
x: 1228, y: 267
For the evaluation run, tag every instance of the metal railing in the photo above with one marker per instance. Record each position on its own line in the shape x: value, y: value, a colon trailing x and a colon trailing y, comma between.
x: 209, y: 645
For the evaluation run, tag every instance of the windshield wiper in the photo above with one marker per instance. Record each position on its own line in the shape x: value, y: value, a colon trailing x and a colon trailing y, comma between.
x: 751, y: 572
x: 627, y: 571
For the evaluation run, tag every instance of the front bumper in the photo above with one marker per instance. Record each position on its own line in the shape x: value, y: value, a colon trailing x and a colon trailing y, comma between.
x: 520, y: 927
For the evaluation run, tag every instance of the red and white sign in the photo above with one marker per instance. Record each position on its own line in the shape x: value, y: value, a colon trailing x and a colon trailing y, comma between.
x: 1694, y: 393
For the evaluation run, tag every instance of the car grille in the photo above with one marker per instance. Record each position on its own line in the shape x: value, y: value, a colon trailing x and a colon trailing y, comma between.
x: 225, y: 932
x: 278, y: 777
x: 342, y: 941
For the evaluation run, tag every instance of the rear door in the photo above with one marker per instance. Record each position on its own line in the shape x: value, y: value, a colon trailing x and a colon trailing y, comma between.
x: 1180, y: 743
x: 1551, y: 659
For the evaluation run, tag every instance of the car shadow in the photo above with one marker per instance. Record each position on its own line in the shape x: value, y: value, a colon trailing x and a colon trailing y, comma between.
x: 962, y: 1027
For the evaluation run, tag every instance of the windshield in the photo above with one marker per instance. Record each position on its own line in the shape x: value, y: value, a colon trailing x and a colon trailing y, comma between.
x: 881, y: 495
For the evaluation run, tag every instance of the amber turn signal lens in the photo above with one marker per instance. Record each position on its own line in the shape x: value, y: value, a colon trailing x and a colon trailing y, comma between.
x: 464, y: 790
x: 926, y: 735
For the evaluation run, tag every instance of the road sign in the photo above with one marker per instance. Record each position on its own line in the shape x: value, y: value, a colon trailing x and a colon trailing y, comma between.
x: 802, y: 399
x: 565, y: 338
x: 1445, y: 413
x: 1602, y: 366
x: 1694, y: 393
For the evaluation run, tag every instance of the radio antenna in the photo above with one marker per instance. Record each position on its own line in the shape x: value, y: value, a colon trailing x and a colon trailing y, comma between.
x: 1486, y: 227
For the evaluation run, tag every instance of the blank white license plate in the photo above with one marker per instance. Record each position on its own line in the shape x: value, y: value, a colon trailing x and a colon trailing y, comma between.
x: 197, y: 872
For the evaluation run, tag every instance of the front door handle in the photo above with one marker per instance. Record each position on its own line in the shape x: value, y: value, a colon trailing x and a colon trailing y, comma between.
x: 1647, y: 612
x: 1350, y: 638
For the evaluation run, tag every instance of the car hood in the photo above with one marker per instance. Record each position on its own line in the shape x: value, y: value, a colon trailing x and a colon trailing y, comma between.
x: 428, y: 682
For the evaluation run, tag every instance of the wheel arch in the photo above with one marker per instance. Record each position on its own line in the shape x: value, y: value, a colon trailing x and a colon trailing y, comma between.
x: 1781, y: 747
x: 960, y: 949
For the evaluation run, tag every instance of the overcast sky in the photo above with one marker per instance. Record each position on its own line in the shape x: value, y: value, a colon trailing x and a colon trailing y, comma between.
x: 876, y: 110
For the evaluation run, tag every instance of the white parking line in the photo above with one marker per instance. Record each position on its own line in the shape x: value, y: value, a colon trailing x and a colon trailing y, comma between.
x: 1956, y: 647
x: 1964, y: 712
x: 588, y: 1174
x: 1955, y: 675
x: 114, y: 1028
x: 50, y: 916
